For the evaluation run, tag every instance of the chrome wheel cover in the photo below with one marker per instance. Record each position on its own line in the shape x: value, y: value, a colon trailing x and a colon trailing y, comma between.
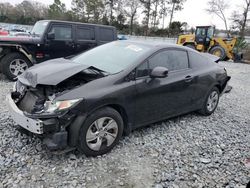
x: 212, y: 101
x: 18, y: 66
x: 101, y: 133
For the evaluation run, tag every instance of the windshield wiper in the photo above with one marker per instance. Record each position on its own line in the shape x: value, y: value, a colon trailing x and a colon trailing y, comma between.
x: 98, y: 71
x: 34, y: 34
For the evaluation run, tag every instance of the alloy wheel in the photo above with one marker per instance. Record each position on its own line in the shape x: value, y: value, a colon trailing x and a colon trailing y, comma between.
x: 18, y: 66
x: 212, y: 101
x: 102, y: 133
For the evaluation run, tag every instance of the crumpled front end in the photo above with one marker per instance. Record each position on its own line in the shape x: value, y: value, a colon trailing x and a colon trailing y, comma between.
x: 27, y: 108
x: 38, y: 111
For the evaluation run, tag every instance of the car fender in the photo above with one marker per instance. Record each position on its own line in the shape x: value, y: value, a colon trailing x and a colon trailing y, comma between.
x: 7, y: 48
x: 75, y: 127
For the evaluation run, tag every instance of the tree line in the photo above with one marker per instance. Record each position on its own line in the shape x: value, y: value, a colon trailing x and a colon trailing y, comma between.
x: 137, y: 17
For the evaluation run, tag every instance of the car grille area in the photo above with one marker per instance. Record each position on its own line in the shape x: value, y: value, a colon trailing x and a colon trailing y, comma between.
x: 31, y: 103
x: 28, y: 102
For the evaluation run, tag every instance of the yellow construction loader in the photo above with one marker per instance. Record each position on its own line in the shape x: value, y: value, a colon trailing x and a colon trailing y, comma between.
x: 204, y: 41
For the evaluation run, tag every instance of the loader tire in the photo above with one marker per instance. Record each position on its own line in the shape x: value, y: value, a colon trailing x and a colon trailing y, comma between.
x: 218, y: 51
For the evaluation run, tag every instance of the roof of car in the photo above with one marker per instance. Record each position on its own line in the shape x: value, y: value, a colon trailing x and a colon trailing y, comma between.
x: 61, y: 21
x: 152, y: 44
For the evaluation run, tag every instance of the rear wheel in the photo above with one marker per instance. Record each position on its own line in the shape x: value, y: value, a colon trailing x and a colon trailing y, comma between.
x: 14, y: 64
x: 218, y: 51
x: 211, y: 102
x: 100, y: 132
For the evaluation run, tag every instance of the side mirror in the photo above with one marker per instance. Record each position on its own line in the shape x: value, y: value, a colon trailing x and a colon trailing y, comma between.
x: 51, y: 35
x: 159, y: 72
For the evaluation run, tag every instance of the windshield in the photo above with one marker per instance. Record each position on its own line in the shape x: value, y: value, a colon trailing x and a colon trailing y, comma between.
x: 210, y: 32
x: 112, y: 57
x: 39, y: 28
x: 201, y: 32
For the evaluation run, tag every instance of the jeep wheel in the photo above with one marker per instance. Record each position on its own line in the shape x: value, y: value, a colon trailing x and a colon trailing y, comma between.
x: 14, y: 64
x: 100, y: 132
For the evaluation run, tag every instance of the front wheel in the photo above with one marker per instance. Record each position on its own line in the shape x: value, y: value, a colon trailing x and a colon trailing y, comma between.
x: 100, y: 132
x: 211, y: 102
x: 14, y: 64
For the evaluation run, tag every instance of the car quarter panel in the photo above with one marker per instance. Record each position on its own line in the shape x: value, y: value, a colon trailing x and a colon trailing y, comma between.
x: 207, y: 74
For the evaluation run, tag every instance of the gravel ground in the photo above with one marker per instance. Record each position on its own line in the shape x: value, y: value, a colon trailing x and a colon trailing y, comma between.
x: 188, y: 151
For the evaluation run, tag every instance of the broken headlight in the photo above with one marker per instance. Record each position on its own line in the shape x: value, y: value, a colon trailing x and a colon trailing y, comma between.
x: 53, y: 106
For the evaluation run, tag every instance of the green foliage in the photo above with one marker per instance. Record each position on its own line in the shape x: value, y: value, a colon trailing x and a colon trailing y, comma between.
x: 57, y: 10
x: 78, y: 9
x: 176, y: 28
x: 240, y: 45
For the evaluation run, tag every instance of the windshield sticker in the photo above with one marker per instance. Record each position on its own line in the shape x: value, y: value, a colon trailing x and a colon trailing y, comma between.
x: 134, y: 48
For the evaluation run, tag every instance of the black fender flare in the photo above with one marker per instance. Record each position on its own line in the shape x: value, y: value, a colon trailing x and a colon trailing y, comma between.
x: 19, y: 48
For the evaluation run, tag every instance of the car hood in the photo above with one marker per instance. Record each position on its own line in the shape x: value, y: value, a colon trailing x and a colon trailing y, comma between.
x: 19, y: 39
x: 51, y: 72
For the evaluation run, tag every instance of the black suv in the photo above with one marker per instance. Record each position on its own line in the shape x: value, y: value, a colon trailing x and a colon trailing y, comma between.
x: 50, y: 39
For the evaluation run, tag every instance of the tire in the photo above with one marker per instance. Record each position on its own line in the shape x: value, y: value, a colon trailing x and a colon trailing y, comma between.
x: 218, y: 51
x: 190, y: 46
x: 208, y: 108
x: 14, y: 64
x: 100, y: 141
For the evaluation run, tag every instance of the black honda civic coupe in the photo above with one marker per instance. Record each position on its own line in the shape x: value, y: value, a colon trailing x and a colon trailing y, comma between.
x: 89, y: 101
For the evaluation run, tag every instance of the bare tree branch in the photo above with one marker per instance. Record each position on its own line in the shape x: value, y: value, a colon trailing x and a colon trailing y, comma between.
x: 218, y: 8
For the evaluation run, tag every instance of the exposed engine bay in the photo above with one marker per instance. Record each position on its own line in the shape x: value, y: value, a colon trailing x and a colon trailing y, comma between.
x: 32, y: 100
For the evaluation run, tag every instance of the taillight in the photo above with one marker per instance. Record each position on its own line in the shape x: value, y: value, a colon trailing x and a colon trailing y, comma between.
x: 39, y: 55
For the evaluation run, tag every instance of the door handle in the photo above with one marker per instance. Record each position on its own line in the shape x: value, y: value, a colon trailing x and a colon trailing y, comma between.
x: 188, y: 78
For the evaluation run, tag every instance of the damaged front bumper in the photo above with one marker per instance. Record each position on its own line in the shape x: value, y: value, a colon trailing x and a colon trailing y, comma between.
x: 227, y: 88
x: 32, y: 125
x: 55, y: 138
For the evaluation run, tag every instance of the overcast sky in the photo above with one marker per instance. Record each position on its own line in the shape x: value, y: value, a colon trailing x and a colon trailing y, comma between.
x: 193, y: 13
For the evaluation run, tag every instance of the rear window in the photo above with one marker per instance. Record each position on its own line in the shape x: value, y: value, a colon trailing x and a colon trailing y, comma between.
x: 85, y: 33
x: 106, y: 34
x: 197, y: 60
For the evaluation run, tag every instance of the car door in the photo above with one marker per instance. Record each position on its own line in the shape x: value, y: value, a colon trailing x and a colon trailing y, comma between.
x: 62, y: 43
x: 160, y: 98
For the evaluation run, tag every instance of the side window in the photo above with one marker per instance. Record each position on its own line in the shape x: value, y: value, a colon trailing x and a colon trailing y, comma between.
x: 158, y: 60
x: 177, y: 60
x: 62, y: 32
x: 106, y: 34
x: 142, y: 70
x: 85, y: 33
x: 171, y: 59
x: 197, y: 60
